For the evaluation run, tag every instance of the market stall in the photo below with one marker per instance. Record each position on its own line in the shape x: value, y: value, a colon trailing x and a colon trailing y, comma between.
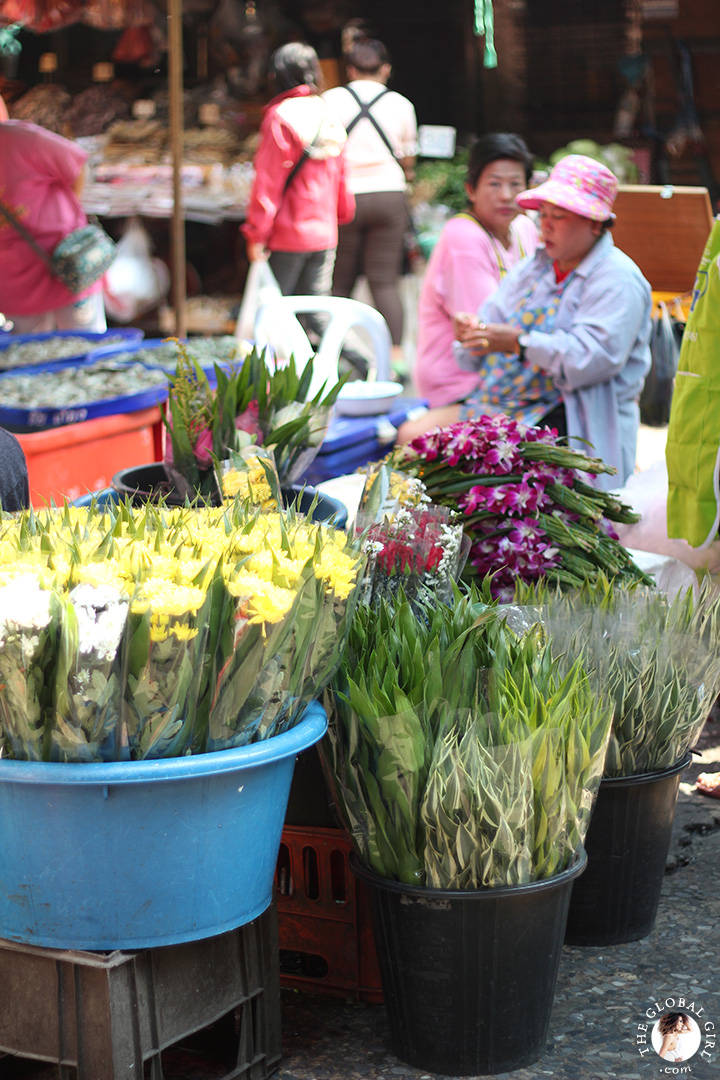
x: 170, y: 140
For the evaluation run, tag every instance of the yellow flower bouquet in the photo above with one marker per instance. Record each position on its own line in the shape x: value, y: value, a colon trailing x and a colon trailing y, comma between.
x: 156, y: 632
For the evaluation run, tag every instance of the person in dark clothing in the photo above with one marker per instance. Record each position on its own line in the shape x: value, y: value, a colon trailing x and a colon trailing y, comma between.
x: 14, y: 483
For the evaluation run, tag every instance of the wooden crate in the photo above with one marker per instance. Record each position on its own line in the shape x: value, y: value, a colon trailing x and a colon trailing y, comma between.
x: 664, y: 230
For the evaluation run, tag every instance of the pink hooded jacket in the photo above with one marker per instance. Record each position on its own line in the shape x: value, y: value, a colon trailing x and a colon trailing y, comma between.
x: 306, y: 216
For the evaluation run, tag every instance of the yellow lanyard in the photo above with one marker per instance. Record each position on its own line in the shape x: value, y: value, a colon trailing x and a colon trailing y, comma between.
x: 493, y: 240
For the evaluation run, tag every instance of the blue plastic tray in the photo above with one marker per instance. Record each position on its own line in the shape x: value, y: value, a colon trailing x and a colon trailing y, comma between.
x: 353, y: 441
x: 102, y: 352
x: 25, y: 421
x: 129, y: 334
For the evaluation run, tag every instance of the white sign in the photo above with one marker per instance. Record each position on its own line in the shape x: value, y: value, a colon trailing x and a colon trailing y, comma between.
x: 436, y: 141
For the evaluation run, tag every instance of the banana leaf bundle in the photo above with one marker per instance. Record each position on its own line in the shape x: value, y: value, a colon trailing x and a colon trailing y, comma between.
x: 459, y: 755
x: 658, y: 659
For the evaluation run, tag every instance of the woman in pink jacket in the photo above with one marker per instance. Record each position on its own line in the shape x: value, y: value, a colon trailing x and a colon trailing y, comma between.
x: 299, y: 194
x: 41, y: 176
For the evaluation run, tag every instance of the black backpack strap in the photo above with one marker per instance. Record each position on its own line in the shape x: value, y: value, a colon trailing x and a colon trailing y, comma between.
x: 365, y: 113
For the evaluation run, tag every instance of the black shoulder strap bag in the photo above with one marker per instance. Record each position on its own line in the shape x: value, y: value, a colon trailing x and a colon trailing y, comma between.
x: 301, y: 161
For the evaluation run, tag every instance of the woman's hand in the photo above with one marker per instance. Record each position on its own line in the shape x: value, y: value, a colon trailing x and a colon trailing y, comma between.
x: 481, y: 338
x: 256, y: 252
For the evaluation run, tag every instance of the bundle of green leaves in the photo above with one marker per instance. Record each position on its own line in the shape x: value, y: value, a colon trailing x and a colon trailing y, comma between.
x: 658, y: 659
x: 252, y: 403
x: 461, y: 758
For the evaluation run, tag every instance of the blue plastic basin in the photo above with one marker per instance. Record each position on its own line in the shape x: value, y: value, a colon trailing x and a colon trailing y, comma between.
x: 130, y: 855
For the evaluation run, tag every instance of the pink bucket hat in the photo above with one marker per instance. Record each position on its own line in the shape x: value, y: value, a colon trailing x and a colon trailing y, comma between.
x: 579, y: 184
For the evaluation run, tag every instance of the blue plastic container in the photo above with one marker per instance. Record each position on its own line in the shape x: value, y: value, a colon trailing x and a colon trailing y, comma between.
x: 131, y: 855
x: 353, y: 441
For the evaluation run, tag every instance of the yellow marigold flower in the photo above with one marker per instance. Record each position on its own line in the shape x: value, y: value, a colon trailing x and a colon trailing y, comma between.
x: 250, y: 483
x: 269, y: 606
x: 338, y: 570
x: 167, y: 599
x: 275, y: 565
x: 103, y: 573
x: 246, y: 584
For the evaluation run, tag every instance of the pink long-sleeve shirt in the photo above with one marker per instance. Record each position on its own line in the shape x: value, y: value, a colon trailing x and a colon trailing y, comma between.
x: 464, y: 269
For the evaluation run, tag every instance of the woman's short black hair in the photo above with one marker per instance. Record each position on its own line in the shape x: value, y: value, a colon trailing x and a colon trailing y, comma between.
x: 498, y: 146
x: 365, y: 54
x: 295, y: 64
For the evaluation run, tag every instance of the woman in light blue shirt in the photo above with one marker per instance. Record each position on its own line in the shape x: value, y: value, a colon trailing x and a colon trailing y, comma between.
x: 565, y: 339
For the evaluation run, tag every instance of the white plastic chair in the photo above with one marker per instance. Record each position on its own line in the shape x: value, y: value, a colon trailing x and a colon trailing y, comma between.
x: 277, y: 327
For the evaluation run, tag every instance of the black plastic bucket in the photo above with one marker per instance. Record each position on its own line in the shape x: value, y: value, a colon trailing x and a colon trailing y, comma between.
x: 469, y: 977
x: 141, y: 483
x: 627, y: 846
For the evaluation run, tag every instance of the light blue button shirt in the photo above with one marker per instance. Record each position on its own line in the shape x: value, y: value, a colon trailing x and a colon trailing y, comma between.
x: 598, y: 352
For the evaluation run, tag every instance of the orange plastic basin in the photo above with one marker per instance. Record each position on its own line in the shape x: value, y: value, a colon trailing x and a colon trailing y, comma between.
x: 69, y: 461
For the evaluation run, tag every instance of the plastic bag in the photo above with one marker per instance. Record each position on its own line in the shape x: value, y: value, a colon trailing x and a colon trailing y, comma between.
x: 647, y: 494
x: 270, y: 325
x: 656, y: 395
x: 135, y: 282
x: 261, y: 288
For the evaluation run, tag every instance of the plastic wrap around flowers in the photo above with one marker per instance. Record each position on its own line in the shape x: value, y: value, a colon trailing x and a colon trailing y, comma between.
x: 411, y: 544
x: 251, y: 404
x: 460, y: 755
x: 130, y: 634
x: 525, y: 507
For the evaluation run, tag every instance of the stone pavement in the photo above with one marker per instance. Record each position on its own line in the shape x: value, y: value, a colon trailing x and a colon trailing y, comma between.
x: 602, y: 994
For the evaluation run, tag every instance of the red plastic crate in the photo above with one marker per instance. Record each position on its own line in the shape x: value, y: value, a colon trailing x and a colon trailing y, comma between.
x: 326, y: 937
x: 69, y: 461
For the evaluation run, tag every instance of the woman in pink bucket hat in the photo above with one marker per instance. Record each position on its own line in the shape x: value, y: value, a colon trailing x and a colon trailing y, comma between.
x: 564, y: 341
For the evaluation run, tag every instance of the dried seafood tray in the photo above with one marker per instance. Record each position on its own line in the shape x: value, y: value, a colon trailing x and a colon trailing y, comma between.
x: 59, y: 348
x: 162, y: 353
x: 42, y: 397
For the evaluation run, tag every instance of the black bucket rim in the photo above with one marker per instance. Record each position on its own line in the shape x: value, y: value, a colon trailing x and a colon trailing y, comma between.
x: 576, y: 868
x: 338, y: 518
x: 648, y: 777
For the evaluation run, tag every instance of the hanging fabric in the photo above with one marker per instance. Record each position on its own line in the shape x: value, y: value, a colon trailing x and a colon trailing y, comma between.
x: 485, y: 26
